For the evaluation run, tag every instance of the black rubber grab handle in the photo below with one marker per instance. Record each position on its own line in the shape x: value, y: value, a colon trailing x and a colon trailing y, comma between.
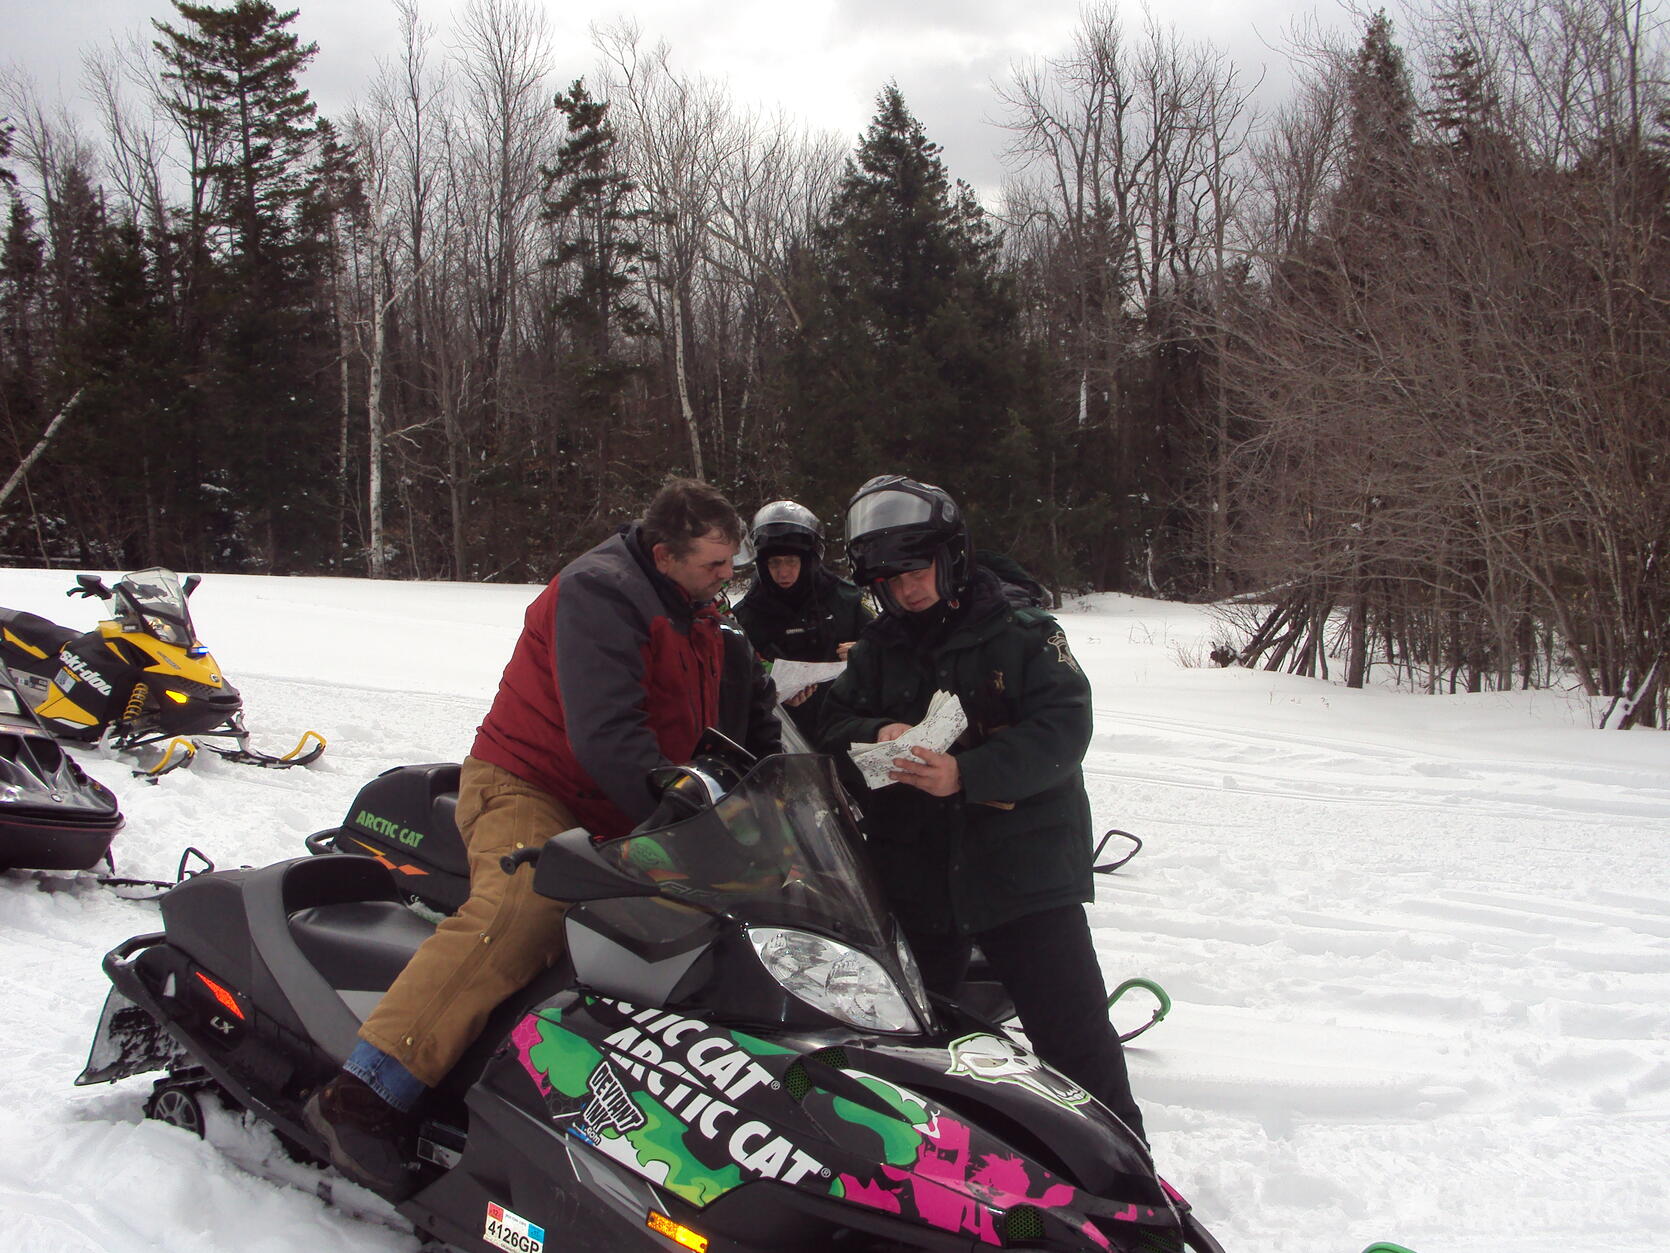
x: 521, y: 857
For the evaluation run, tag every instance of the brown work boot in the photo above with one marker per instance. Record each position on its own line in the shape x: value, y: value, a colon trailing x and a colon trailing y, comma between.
x: 368, y: 1139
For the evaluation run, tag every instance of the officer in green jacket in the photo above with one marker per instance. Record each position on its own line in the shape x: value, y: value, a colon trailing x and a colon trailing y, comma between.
x: 798, y: 609
x: 990, y: 843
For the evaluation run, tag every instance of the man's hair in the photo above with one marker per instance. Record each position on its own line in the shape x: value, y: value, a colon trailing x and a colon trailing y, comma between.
x: 685, y: 510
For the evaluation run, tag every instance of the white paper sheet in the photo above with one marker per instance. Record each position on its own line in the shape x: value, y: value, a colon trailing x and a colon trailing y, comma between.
x: 793, y: 676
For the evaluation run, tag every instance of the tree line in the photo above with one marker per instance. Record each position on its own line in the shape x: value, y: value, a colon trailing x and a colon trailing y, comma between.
x: 1386, y: 363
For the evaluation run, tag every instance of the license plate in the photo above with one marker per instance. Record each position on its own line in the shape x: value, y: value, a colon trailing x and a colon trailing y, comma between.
x: 512, y: 1232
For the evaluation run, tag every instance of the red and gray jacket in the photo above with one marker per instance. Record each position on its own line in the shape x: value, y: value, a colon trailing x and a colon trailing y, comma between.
x: 615, y: 673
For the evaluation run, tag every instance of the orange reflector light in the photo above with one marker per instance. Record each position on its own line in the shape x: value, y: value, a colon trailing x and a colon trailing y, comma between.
x: 221, y: 994
x: 676, y: 1232
x: 179, y: 698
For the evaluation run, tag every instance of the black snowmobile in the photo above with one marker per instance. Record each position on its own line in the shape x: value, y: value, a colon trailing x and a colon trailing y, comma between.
x: 52, y: 815
x: 140, y: 683
x: 735, y: 1054
x: 404, y: 819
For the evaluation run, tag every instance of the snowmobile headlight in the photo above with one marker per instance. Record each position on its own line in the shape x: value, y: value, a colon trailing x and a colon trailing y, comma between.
x: 179, y: 698
x: 828, y: 975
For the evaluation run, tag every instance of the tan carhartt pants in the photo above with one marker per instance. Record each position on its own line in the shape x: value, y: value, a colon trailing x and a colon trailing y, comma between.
x: 495, y: 944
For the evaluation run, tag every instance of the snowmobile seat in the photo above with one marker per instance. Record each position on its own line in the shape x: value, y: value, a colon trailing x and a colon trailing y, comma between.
x: 39, y: 637
x: 236, y: 923
x: 446, y: 815
x: 359, y: 946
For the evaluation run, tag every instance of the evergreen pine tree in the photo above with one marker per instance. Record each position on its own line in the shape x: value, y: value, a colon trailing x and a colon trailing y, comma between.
x: 1380, y: 142
x: 909, y: 357
x: 235, y: 75
x: 263, y: 410
x: 78, y: 231
x: 7, y: 130
x: 599, y: 253
x: 589, y: 200
x: 22, y: 267
x: 22, y: 282
x: 129, y: 471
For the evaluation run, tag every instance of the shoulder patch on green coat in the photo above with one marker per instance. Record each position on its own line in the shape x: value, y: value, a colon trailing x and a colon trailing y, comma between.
x: 1063, y: 654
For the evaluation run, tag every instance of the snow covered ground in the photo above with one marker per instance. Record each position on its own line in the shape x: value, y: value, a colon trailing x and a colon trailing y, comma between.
x: 1419, y: 947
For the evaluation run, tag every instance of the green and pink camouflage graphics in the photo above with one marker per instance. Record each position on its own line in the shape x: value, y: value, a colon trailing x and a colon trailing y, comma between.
x: 701, y: 1109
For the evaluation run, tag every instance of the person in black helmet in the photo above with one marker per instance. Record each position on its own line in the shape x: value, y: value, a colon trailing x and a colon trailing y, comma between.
x: 797, y: 609
x: 988, y: 844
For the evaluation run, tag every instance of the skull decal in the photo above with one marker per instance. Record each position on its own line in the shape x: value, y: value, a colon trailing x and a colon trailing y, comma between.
x: 994, y: 1059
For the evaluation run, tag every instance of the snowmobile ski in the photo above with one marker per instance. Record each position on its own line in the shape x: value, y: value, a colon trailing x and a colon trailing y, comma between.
x: 149, y: 757
x: 308, y: 749
x: 194, y: 861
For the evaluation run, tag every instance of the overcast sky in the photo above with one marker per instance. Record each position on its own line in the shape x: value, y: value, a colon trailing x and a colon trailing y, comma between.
x: 820, y: 60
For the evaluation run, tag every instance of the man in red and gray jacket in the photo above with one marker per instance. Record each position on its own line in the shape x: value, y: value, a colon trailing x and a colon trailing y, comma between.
x: 622, y: 663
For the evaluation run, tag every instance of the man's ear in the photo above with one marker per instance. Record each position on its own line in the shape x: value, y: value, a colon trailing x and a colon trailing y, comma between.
x: 662, y: 555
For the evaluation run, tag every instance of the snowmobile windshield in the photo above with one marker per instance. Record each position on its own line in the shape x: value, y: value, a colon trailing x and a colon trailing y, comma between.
x: 154, y: 601
x: 781, y: 849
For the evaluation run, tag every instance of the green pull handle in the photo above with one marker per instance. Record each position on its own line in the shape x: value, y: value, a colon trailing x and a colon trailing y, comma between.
x: 1161, y: 1008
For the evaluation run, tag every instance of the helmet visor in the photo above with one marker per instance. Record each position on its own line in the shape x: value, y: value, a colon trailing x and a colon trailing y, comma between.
x: 883, y: 556
x: 882, y: 511
x: 784, y: 536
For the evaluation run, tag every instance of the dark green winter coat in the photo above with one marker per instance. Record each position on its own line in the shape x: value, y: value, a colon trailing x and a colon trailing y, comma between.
x: 805, y: 622
x: 1016, y: 840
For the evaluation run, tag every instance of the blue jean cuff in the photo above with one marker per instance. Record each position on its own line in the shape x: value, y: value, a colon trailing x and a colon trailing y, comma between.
x: 385, y: 1076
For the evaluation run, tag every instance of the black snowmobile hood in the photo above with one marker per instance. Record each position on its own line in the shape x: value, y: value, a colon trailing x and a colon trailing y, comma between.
x: 906, y: 1130
x: 52, y: 815
x: 39, y: 782
x: 35, y: 773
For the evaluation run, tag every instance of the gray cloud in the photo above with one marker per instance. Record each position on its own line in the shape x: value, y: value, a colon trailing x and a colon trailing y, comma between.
x: 913, y: 15
x: 822, y: 64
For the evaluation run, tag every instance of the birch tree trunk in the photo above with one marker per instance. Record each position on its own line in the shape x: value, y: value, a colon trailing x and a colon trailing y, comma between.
x: 684, y: 405
x: 374, y: 420
x: 40, y: 447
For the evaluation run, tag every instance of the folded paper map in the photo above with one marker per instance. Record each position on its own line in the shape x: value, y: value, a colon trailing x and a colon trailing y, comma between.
x: 938, y: 730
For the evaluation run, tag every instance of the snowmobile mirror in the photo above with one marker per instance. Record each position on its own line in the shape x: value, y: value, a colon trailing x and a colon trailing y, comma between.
x: 89, y: 585
x: 570, y: 869
x: 190, y: 585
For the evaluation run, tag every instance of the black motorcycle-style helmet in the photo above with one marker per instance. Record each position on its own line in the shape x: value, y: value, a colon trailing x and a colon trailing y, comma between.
x: 785, y: 528
x: 895, y: 525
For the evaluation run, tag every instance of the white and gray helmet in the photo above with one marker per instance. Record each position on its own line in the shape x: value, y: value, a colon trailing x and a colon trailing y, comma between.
x: 785, y: 526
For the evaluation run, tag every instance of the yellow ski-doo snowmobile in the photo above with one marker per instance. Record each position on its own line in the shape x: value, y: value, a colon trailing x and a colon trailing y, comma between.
x: 140, y: 683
